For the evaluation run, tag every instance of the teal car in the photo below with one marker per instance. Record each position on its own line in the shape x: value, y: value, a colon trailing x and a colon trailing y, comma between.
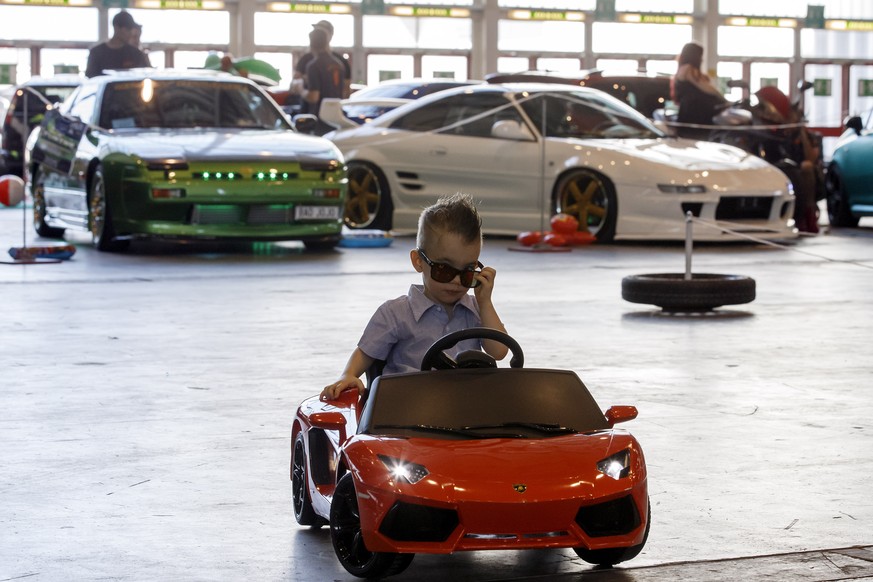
x: 182, y: 155
x: 849, y: 180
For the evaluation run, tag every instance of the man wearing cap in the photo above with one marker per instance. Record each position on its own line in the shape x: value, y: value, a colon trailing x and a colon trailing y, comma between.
x: 303, y: 63
x: 325, y: 76
x: 117, y: 52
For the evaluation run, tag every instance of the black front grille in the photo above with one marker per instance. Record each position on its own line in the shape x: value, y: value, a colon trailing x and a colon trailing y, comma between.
x: 406, y: 522
x: 693, y: 207
x: 613, y: 518
x: 744, y: 208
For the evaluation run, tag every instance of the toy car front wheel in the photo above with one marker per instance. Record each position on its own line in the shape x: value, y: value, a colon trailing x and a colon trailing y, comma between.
x: 303, y: 511
x: 611, y: 556
x: 348, y: 541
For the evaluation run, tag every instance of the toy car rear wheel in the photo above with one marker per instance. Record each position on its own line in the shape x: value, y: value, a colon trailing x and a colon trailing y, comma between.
x: 303, y: 511
x: 348, y: 541
x: 40, y: 209
x: 369, y: 201
x: 611, y: 556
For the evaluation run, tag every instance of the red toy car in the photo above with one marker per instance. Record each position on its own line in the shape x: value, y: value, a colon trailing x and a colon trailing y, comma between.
x: 469, y: 457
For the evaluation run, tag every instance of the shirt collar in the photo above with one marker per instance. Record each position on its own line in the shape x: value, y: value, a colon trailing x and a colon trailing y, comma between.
x: 420, y: 303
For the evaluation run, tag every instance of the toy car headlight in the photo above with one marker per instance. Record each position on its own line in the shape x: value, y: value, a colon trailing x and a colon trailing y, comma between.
x: 404, y: 470
x: 616, y: 466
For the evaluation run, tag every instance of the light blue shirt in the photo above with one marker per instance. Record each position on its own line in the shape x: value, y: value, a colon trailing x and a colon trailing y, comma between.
x: 402, y: 329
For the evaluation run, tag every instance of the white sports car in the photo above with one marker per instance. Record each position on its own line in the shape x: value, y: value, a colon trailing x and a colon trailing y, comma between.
x: 600, y: 161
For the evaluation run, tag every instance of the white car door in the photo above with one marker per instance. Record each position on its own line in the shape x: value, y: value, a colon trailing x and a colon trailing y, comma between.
x: 448, y: 147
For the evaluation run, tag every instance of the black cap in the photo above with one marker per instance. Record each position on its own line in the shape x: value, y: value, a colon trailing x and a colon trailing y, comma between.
x: 124, y: 20
x: 325, y: 26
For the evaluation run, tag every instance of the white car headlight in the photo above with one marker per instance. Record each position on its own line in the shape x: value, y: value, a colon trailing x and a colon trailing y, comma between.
x: 682, y: 188
x: 404, y: 470
x: 616, y: 466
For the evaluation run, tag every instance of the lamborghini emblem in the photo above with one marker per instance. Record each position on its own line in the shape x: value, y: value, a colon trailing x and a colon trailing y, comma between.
x: 520, y: 487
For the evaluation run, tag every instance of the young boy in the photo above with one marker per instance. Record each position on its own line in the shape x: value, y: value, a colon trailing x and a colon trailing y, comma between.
x: 447, y: 255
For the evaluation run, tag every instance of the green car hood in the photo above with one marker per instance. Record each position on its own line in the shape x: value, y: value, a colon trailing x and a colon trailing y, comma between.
x: 222, y: 145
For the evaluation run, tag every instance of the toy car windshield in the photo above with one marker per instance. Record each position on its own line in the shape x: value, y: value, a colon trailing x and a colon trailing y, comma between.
x: 481, y: 403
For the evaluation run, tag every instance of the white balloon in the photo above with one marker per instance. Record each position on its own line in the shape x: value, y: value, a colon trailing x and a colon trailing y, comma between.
x: 11, y: 190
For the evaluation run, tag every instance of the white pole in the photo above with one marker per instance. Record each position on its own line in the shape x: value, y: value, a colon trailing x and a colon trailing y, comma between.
x: 689, y: 243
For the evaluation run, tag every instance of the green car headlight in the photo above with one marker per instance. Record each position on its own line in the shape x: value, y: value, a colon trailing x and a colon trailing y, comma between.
x: 616, y: 466
x: 404, y: 470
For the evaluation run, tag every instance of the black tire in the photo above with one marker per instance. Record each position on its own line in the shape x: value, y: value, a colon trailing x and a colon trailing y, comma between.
x: 590, y: 198
x: 40, y: 210
x: 326, y: 244
x: 303, y: 511
x: 369, y: 201
x: 348, y: 542
x: 100, y: 216
x: 703, y: 292
x: 612, y: 556
x: 839, y: 210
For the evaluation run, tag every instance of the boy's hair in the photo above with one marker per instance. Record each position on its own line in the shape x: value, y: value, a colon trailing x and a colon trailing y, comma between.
x: 454, y: 214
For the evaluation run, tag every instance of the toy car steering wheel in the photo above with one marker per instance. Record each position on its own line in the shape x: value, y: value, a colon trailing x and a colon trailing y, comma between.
x: 436, y: 358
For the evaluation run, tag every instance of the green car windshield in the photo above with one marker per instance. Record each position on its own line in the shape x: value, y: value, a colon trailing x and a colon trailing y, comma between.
x: 187, y: 104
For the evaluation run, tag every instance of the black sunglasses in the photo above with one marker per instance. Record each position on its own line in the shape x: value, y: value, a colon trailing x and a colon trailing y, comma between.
x: 444, y: 273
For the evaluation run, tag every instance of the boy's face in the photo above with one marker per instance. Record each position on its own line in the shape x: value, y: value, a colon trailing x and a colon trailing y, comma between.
x: 451, y: 249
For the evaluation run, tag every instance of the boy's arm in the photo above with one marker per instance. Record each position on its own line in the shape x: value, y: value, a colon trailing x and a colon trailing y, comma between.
x: 488, y: 314
x: 358, y: 363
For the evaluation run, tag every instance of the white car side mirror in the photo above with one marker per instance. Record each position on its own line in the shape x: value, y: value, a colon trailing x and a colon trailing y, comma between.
x: 511, y: 129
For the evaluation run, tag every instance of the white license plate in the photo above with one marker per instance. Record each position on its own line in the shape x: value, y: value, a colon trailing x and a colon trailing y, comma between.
x: 316, y: 212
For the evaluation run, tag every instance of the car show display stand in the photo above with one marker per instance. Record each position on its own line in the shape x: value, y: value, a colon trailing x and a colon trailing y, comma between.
x: 688, y: 292
x: 36, y: 255
x: 14, y: 193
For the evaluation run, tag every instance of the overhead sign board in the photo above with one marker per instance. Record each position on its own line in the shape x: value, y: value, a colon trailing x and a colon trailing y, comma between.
x: 555, y: 15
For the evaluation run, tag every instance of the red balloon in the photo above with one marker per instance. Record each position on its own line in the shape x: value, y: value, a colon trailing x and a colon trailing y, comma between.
x: 555, y: 239
x: 530, y: 238
x: 11, y: 190
x: 565, y: 224
x: 582, y: 237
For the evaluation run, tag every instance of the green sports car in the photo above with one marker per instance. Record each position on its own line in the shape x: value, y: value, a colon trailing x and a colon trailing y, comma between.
x: 182, y: 154
x: 849, y: 179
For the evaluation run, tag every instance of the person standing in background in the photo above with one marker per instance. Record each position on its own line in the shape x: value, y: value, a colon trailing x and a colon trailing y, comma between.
x: 325, y: 76
x: 693, y: 91
x: 117, y: 52
x: 299, y: 83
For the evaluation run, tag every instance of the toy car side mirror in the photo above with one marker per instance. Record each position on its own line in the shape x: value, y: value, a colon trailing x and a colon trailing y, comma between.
x: 617, y: 414
x: 330, y: 421
x: 855, y: 124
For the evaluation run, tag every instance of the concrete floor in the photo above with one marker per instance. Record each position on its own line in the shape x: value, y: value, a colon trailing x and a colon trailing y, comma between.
x: 147, y: 400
